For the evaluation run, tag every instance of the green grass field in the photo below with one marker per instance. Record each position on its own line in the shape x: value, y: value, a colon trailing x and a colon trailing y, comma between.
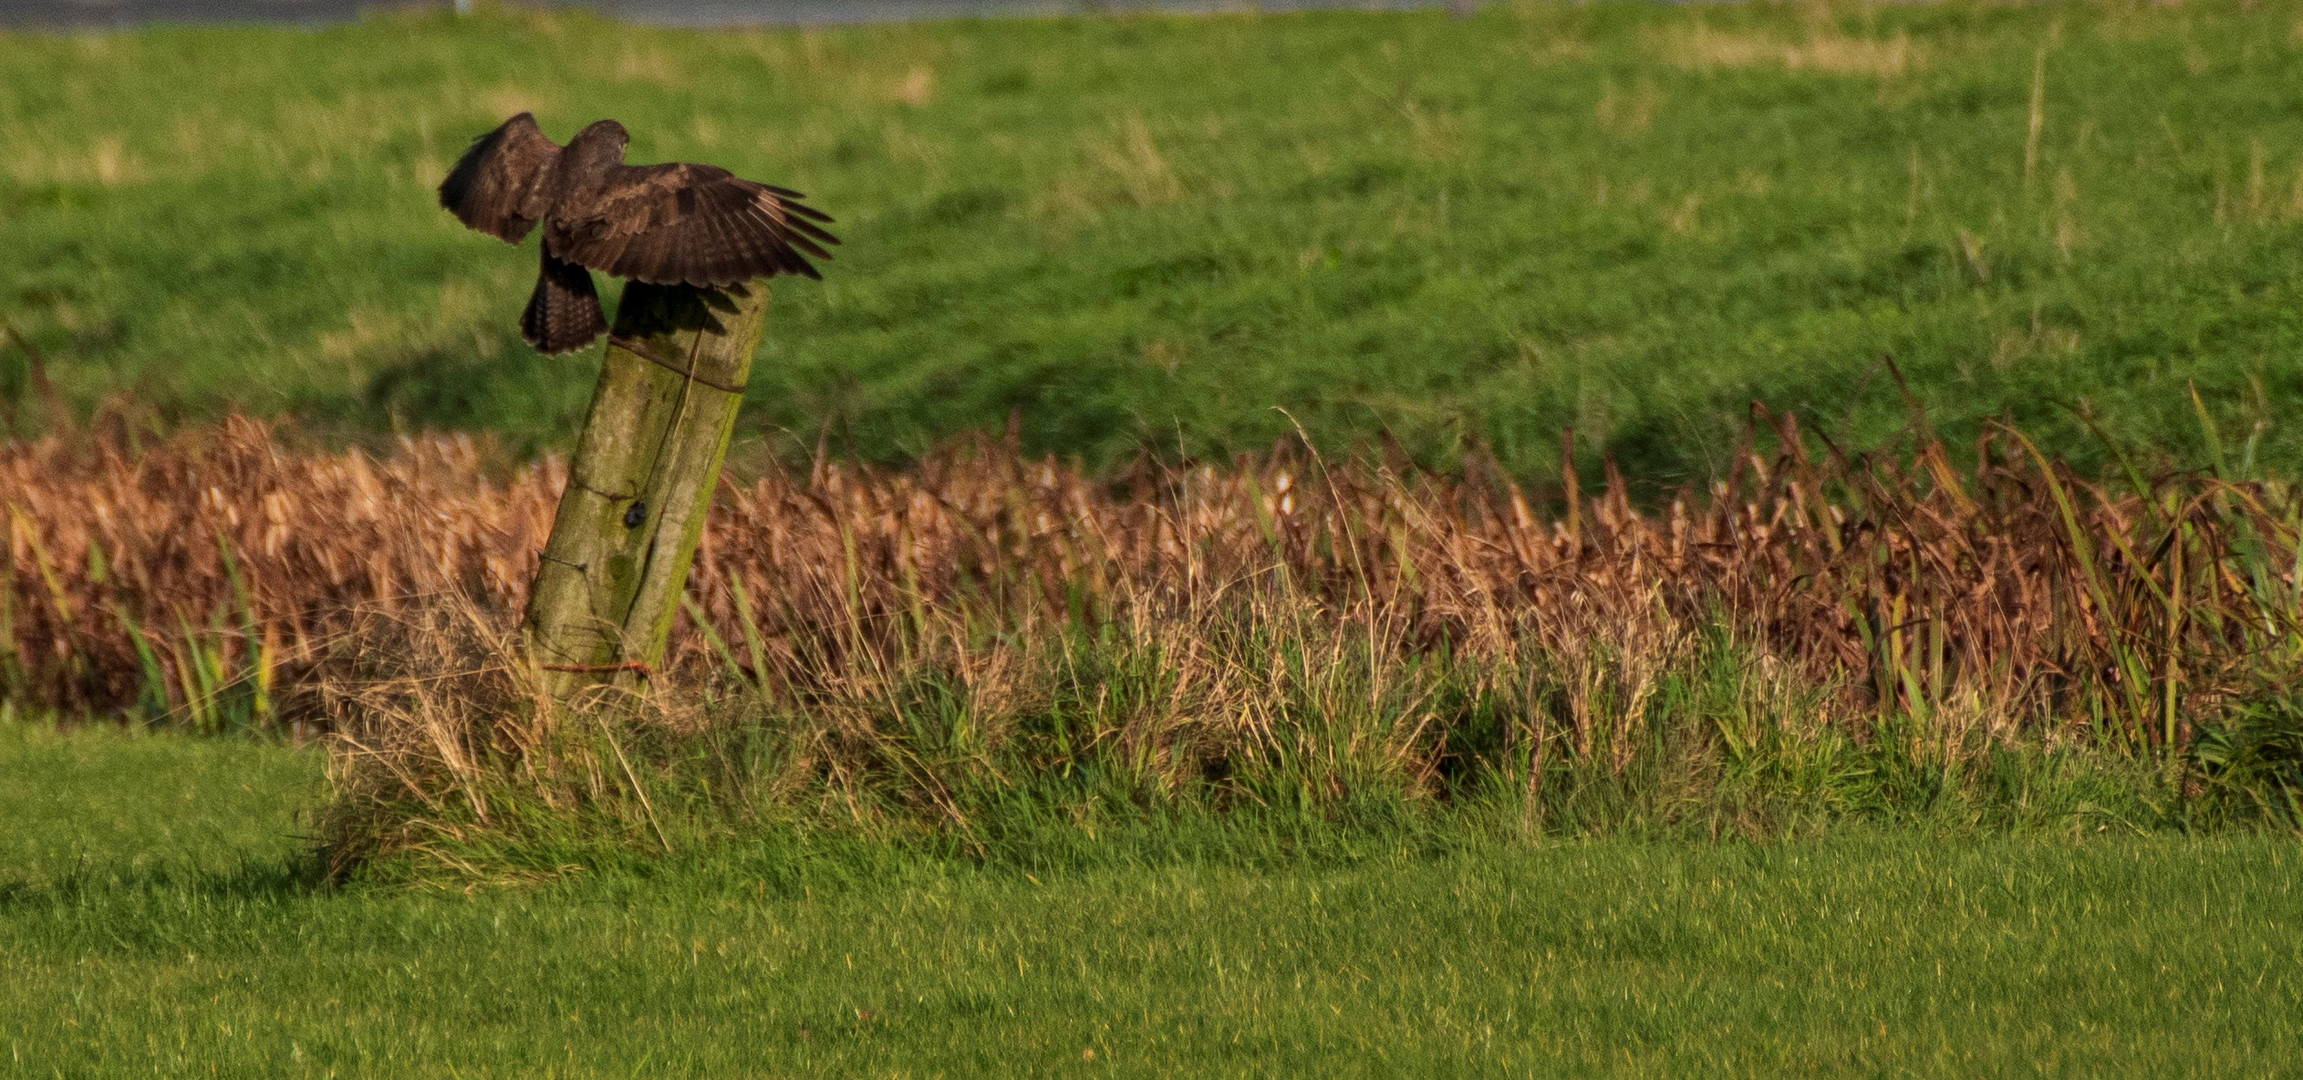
x: 155, y: 918
x: 1190, y: 235
x: 1153, y: 232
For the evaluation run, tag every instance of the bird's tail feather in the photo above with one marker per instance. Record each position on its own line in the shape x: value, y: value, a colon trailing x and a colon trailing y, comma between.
x: 564, y: 312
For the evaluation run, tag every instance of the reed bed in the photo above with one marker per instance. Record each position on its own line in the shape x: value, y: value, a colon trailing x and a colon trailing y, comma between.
x: 1280, y: 626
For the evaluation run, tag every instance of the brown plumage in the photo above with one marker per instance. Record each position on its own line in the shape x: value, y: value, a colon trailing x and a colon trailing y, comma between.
x: 668, y: 224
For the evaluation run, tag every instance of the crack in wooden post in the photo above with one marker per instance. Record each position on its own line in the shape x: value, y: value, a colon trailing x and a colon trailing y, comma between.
x: 611, y: 575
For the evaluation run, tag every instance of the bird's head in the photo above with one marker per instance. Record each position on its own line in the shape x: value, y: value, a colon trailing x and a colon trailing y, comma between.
x: 601, y: 143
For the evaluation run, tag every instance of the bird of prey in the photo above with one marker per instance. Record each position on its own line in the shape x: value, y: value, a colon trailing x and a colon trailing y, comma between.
x: 670, y: 224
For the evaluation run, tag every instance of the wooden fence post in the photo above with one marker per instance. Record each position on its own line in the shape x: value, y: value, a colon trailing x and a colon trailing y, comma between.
x: 641, y: 483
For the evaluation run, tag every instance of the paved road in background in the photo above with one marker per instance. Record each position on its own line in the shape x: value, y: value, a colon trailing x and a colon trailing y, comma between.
x: 122, y: 13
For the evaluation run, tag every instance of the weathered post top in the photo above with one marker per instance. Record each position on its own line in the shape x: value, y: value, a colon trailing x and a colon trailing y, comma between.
x: 641, y: 483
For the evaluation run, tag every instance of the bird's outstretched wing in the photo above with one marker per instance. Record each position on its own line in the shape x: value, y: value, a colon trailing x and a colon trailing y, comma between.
x: 499, y: 186
x: 690, y: 224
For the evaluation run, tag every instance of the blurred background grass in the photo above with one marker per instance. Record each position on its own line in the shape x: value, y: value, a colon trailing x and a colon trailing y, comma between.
x: 1149, y: 232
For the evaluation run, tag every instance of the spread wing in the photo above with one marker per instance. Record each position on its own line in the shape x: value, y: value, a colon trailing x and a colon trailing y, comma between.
x: 499, y: 185
x: 689, y: 224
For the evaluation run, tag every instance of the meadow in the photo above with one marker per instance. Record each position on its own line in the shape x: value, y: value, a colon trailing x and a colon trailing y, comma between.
x: 1608, y: 539
x: 1138, y: 233
x: 158, y: 915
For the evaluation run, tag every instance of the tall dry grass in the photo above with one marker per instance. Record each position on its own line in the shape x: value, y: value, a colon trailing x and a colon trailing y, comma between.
x: 1289, y: 626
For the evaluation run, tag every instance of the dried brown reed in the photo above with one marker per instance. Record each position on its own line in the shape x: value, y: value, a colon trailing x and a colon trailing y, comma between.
x: 1279, y: 615
x: 219, y: 562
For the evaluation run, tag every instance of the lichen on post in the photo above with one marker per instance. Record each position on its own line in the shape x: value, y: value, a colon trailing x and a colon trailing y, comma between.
x: 641, y: 483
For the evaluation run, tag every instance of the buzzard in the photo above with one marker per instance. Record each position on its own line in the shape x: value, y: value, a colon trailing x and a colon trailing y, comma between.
x: 673, y: 224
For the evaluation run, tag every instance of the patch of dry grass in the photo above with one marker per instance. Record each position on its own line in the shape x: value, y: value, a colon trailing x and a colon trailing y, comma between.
x: 1348, y: 623
x: 1822, y: 48
x: 104, y: 159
